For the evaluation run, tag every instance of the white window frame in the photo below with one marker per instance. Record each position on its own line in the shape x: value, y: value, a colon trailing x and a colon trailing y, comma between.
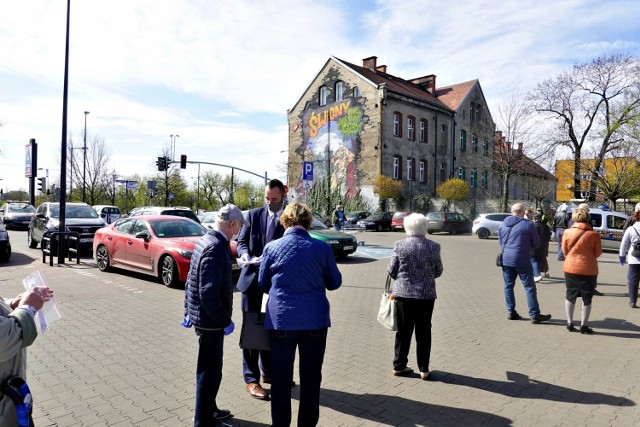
x: 396, y: 168
x: 356, y: 92
x: 410, y: 128
x: 422, y: 171
x: 339, y: 91
x: 324, y: 94
x: 396, y: 124
x: 409, y: 169
x: 422, y: 130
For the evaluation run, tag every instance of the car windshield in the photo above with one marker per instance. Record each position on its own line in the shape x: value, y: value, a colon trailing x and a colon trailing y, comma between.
x: 316, y: 224
x: 399, y: 215
x: 209, y: 217
x: 177, y: 228
x: 21, y: 208
x: 74, y: 211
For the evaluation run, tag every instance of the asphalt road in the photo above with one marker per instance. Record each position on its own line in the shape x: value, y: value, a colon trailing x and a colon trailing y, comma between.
x: 119, y: 356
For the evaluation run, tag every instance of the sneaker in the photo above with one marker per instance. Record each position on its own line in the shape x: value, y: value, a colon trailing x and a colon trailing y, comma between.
x: 586, y: 330
x: 537, y: 278
x: 540, y: 318
x: 571, y: 328
x: 221, y: 414
x: 632, y: 304
x: 404, y: 372
x: 513, y: 315
x: 424, y: 375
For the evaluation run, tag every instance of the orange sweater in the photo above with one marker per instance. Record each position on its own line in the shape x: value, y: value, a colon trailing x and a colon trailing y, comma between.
x: 581, y: 257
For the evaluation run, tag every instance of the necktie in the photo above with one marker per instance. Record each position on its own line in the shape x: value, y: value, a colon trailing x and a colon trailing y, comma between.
x: 271, y: 227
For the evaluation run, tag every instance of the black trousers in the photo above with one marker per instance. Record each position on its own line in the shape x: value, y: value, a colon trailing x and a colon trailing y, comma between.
x: 413, y: 314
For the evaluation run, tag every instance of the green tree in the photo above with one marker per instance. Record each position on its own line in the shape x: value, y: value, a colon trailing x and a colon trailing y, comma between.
x: 453, y: 189
x: 387, y: 188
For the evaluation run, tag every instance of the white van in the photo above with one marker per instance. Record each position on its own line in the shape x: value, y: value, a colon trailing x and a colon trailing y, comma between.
x: 108, y: 213
x: 609, y: 225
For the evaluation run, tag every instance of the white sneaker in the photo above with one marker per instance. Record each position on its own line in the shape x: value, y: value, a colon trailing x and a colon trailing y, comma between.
x: 537, y: 278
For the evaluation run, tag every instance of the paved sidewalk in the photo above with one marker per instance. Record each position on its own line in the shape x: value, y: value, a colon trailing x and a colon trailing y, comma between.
x: 119, y: 356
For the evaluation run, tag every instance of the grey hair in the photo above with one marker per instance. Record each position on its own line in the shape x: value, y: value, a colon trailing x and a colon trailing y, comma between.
x: 415, y: 225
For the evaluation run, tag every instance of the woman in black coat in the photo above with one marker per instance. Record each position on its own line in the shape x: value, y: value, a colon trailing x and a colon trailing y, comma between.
x: 539, y: 255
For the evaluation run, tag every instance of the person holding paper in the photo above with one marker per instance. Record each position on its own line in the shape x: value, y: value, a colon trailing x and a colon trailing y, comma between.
x: 17, y: 332
x: 263, y: 227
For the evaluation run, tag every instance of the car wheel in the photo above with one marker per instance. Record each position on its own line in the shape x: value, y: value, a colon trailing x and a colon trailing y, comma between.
x: 483, y: 233
x: 429, y: 231
x: 102, y: 258
x: 168, y: 272
x: 32, y: 243
x: 7, y: 253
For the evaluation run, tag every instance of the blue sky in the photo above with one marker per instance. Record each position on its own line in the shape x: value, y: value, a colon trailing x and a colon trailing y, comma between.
x: 223, y: 74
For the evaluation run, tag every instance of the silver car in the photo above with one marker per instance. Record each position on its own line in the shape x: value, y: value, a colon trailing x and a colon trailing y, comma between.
x: 487, y: 224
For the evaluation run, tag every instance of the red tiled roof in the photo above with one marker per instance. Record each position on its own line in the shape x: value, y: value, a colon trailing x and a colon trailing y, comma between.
x: 453, y: 95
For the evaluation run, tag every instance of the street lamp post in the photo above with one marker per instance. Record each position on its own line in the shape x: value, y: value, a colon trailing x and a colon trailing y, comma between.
x: 173, y: 143
x: 84, y: 160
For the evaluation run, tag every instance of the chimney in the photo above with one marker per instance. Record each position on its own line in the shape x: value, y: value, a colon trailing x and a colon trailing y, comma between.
x: 427, y: 83
x: 382, y: 68
x: 520, y: 148
x: 370, y: 62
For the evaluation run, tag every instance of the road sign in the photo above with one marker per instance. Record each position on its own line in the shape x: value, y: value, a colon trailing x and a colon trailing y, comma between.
x: 307, y: 185
x: 307, y: 171
x: 170, y: 196
x: 131, y: 185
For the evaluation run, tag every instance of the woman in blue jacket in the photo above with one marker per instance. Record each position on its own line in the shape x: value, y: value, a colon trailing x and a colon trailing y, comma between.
x: 296, y: 270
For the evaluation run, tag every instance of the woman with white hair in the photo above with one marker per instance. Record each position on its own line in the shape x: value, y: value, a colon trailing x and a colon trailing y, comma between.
x: 415, y: 265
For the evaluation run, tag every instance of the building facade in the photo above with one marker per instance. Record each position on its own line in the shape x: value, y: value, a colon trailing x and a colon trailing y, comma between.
x: 619, y: 169
x: 353, y: 123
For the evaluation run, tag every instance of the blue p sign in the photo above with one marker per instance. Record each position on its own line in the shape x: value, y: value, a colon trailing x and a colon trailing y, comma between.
x: 307, y: 171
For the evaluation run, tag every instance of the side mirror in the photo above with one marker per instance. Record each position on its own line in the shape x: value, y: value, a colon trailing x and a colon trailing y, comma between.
x: 144, y: 235
x: 41, y: 215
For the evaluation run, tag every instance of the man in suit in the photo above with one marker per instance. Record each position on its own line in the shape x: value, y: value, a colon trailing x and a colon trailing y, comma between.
x: 264, y: 226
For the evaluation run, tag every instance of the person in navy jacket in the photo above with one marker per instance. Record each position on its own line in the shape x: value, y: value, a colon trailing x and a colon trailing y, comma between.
x: 296, y: 270
x: 253, y: 237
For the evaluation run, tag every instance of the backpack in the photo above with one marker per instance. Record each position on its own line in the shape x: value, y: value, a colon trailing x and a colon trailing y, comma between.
x: 636, y: 246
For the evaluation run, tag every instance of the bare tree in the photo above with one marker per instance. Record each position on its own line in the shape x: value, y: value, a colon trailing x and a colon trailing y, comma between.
x: 98, y: 174
x: 590, y: 104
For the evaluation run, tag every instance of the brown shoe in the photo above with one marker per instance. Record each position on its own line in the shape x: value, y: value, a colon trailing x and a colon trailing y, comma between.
x: 256, y: 391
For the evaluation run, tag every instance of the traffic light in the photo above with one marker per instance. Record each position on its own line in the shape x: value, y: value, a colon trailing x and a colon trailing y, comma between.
x: 183, y: 161
x: 42, y: 186
x: 162, y: 164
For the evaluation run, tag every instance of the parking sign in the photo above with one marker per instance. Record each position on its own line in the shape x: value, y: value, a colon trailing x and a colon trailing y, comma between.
x: 307, y: 171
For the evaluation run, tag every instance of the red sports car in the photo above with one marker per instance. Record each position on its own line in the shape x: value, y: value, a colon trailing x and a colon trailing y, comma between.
x: 158, y: 245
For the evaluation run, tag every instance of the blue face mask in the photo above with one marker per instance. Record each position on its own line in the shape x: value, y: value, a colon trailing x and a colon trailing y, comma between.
x: 275, y: 206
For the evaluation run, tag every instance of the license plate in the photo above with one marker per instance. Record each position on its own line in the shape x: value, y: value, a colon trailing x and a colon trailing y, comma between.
x: 347, y: 248
x: 86, y: 240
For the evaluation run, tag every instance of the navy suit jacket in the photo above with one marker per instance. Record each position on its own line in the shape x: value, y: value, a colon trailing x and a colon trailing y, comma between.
x: 251, y: 241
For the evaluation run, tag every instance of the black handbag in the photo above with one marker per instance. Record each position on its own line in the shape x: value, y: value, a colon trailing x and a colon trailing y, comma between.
x: 499, y: 257
x: 253, y: 335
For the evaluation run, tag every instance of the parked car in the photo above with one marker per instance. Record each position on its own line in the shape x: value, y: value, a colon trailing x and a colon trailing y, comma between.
x: 108, y: 213
x: 378, y: 221
x: 342, y: 244
x: 397, y: 221
x: 16, y: 214
x: 157, y: 245
x: 160, y: 210
x: 487, y: 224
x: 209, y: 219
x: 450, y: 222
x: 609, y: 225
x: 352, y: 218
x: 79, y: 217
x: 5, y: 244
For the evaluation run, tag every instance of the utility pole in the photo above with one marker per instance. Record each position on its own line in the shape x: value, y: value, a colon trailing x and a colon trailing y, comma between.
x: 84, y: 160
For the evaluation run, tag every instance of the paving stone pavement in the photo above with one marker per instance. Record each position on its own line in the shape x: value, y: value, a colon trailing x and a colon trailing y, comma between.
x: 119, y: 356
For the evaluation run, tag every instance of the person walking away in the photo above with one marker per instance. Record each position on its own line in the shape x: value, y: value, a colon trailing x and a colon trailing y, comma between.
x: 17, y: 332
x: 630, y: 239
x: 263, y: 227
x: 631, y: 218
x: 560, y: 224
x: 539, y: 254
x: 208, y: 307
x: 582, y: 247
x: 338, y: 218
x: 518, y: 237
x: 415, y: 265
x: 296, y: 271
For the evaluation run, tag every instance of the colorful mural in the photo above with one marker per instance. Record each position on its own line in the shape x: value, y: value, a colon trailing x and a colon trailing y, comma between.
x: 330, y: 136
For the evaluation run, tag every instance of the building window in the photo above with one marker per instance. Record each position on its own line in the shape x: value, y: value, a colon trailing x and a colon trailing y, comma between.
x: 397, y: 124
x: 411, y: 123
x: 485, y: 179
x: 463, y: 140
x: 397, y: 167
x: 462, y: 173
x: 423, y: 171
x: 324, y: 93
x: 444, y: 129
x: 443, y: 172
x: 411, y: 169
x: 473, y: 179
x: 356, y: 92
x: 485, y: 147
x: 474, y: 144
x: 423, y: 130
x: 478, y: 112
x: 472, y: 112
x: 339, y: 91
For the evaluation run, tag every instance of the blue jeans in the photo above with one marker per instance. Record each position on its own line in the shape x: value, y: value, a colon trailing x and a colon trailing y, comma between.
x: 208, y: 376
x: 253, y: 363
x: 559, y: 233
x: 311, y: 345
x: 536, y: 266
x: 633, y: 279
x: 510, y: 274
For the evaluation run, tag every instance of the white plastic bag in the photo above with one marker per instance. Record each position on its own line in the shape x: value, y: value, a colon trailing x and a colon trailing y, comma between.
x: 50, y: 312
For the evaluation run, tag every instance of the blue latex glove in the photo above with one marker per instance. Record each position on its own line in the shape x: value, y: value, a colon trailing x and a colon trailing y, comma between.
x: 623, y: 259
x: 229, y: 328
x: 186, y: 322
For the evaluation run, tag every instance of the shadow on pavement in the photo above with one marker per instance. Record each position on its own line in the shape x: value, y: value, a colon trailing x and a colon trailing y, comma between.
x: 353, y: 259
x: 18, y: 258
x: 522, y: 387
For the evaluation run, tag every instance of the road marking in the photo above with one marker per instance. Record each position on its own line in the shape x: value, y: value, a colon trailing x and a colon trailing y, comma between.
x: 373, y: 252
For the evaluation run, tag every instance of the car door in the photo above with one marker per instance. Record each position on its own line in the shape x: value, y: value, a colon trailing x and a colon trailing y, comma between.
x: 39, y: 222
x: 138, y: 250
x: 116, y: 241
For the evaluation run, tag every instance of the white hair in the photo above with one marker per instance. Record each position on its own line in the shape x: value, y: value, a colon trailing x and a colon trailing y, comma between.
x: 415, y: 224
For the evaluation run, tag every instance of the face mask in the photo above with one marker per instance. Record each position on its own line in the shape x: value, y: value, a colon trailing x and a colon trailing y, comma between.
x: 275, y: 206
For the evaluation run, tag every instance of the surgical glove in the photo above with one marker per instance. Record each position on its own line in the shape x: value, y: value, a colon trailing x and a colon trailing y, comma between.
x: 623, y: 259
x: 245, y: 257
x: 229, y: 328
x: 186, y: 322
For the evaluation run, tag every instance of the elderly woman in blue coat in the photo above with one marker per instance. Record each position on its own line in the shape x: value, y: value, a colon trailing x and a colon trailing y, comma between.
x: 415, y: 265
x: 296, y: 270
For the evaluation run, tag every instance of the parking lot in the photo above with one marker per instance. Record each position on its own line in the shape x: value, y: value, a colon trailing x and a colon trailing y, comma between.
x: 119, y: 356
